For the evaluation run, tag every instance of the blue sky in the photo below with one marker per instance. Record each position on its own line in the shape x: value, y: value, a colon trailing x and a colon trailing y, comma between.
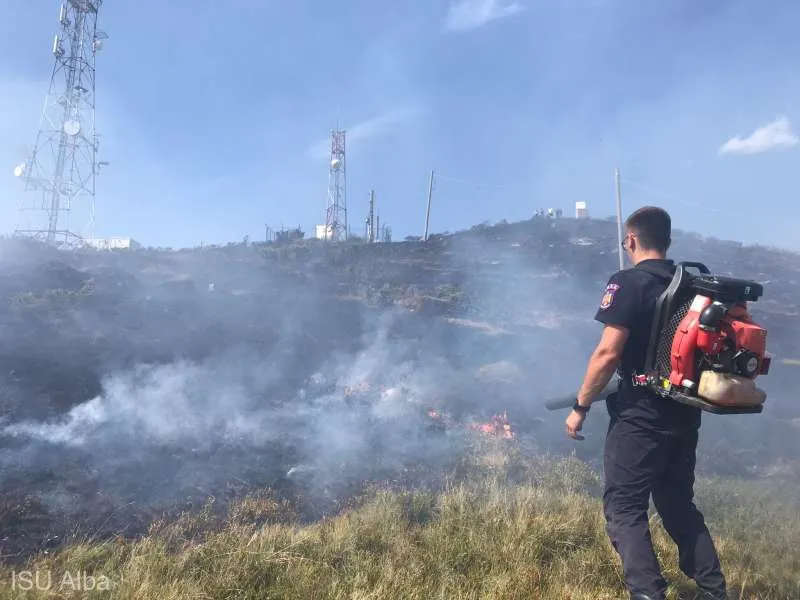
x: 212, y: 114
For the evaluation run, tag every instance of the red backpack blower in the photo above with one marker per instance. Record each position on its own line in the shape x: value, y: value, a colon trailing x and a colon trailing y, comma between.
x: 705, y: 349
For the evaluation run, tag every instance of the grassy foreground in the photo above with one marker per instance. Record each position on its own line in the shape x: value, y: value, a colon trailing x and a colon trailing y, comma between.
x: 488, y: 536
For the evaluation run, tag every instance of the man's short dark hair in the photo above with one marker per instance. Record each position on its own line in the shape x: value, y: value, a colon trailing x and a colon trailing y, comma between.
x: 653, y: 228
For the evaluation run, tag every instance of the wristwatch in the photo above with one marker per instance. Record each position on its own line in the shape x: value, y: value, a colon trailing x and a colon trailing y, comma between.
x: 581, y: 409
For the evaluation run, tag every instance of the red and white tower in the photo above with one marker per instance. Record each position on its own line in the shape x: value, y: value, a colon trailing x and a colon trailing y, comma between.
x: 336, y: 213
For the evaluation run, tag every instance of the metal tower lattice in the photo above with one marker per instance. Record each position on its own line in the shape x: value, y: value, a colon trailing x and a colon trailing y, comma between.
x: 63, y: 165
x: 336, y: 213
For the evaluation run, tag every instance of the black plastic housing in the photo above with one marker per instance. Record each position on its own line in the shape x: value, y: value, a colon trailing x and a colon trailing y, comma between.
x: 727, y: 289
x: 712, y: 315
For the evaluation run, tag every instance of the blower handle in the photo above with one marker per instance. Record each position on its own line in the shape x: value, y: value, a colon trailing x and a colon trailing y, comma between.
x: 697, y: 265
x: 568, y: 401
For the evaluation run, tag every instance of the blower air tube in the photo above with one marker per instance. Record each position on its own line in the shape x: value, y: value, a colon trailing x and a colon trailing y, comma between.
x: 568, y: 401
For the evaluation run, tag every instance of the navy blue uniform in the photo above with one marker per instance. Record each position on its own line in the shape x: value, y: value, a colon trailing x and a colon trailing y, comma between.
x: 650, y: 449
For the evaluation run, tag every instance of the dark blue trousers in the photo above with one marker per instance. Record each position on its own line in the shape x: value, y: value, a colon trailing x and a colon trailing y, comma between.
x: 638, y: 462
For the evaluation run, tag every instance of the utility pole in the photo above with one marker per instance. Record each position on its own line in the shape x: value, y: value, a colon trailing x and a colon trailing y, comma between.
x: 428, y: 211
x: 619, y: 220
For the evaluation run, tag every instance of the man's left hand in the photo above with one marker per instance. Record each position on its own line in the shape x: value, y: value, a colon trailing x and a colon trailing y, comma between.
x: 575, y: 424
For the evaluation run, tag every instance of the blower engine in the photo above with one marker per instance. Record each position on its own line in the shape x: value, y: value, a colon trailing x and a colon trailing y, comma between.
x: 705, y: 349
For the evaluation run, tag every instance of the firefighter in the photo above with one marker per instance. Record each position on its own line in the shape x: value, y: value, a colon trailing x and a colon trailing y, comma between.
x: 651, y: 442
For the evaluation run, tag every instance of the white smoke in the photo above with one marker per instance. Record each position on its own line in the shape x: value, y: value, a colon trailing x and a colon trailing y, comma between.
x: 229, y: 400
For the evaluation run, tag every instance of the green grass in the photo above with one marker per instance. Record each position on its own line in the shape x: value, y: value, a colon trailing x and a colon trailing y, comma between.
x: 489, y: 535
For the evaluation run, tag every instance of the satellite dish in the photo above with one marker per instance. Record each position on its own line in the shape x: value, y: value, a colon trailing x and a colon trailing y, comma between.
x: 72, y: 128
x: 335, y: 163
x: 19, y: 170
x: 99, y: 38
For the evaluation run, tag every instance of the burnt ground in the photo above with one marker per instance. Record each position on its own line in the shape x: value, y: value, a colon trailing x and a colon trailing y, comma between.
x: 142, y: 383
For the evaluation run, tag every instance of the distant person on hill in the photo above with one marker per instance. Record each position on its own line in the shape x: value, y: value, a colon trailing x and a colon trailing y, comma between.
x: 651, y: 442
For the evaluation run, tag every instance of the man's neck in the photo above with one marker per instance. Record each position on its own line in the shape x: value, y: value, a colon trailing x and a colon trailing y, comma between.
x: 649, y: 256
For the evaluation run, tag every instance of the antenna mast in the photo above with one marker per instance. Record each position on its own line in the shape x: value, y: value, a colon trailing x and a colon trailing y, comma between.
x: 336, y: 214
x: 63, y: 164
x: 370, y: 228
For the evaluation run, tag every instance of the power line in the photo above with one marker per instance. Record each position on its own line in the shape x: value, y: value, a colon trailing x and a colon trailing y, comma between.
x: 645, y: 188
x: 480, y: 185
x: 674, y: 198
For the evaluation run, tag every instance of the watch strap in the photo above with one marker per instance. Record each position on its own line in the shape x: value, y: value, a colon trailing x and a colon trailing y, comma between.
x: 581, y: 409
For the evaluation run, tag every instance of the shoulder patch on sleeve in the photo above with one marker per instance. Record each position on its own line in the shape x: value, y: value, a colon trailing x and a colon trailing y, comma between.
x: 608, y: 297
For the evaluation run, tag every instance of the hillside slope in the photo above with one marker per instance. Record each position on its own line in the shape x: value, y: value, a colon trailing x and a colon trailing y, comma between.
x: 146, y: 382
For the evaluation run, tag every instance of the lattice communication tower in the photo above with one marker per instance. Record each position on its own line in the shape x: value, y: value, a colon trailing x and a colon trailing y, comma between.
x: 63, y: 165
x: 336, y: 212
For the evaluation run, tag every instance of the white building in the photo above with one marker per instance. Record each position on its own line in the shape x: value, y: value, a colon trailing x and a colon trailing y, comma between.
x: 113, y: 243
x: 323, y: 232
x: 581, y: 212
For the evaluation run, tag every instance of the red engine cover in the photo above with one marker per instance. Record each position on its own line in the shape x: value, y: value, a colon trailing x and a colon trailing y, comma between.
x: 684, y: 344
x: 737, y: 326
x: 747, y: 334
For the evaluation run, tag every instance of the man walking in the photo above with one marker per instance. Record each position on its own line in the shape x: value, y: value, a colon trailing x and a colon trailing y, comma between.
x: 651, y: 441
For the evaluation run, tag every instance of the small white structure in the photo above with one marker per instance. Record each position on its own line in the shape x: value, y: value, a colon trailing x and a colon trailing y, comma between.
x: 581, y: 212
x: 113, y: 243
x: 321, y: 232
